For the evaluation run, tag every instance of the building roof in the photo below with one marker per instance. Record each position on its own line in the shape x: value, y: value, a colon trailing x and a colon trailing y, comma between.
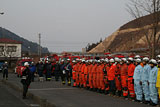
x: 7, y: 40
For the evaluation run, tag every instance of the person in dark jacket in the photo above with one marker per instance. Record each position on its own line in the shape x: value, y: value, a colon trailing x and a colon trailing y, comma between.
x: 57, y: 70
x: 62, y: 72
x: 68, y: 71
x: 33, y: 70
x: 5, y: 71
x: 26, y: 79
x: 40, y: 70
x: 48, y: 69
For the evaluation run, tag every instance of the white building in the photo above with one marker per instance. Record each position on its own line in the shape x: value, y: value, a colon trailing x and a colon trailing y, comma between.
x: 10, y: 48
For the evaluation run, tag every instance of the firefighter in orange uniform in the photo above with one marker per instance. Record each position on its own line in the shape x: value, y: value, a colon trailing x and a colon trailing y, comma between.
x: 105, y: 70
x: 98, y: 75
x: 85, y: 74
x: 74, y: 69
x: 82, y: 74
x: 117, y: 77
x: 131, y: 69
x: 90, y: 84
x: 94, y: 72
x: 124, y: 76
x: 111, y: 76
x: 102, y: 85
x: 79, y: 73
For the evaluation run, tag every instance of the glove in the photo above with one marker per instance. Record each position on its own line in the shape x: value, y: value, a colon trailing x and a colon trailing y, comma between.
x: 133, y: 81
x: 140, y: 82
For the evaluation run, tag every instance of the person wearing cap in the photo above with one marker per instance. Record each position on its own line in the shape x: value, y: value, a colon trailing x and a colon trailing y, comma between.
x: 131, y: 68
x: 111, y: 77
x: 152, y: 82
x: 117, y: 77
x: 124, y: 77
x: 158, y: 79
x: 5, y: 70
x: 33, y: 70
x: 137, y: 80
x: 144, y: 79
x: 26, y: 79
x: 48, y: 69
x: 68, y: 71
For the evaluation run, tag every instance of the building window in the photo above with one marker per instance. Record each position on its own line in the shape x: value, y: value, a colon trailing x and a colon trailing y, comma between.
x: 12, y: 48
x: 1, y: 48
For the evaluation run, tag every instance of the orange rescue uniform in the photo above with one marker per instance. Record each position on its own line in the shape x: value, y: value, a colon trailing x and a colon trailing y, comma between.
x: 124, y: 75
x: 131, y: 69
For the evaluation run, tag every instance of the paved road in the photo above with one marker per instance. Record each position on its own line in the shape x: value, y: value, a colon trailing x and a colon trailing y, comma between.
x: 7, y: 99
x: 12, y: 98
x: 65, y: 96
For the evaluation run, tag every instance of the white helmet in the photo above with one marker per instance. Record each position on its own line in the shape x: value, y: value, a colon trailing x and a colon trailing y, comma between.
x: 153, y: 61
x: 130, y: 59
x: 116, y: 59
x: 102, y: 60
x: 91, y: 60
x: 107, y: 60
x: 83, y: 60
x: 73, y: 61
x: 6, y: 62
x: 111, y: 60
x: 77, y: 59
x: 138, y: 60
x: 145, y: 59
x: 124, y: 59
x: 98, y: 61
x: 26, y: 64
x: 137, y: 56
x: 158, y: 56
x: 68, y: 59
x: 86, y: 61
x: 158, y: 61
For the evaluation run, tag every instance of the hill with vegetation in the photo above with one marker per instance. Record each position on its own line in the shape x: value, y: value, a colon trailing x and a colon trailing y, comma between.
x: 27, y: 46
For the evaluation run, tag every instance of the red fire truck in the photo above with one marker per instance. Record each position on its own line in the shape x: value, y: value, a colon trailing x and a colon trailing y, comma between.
x: 20, y: 65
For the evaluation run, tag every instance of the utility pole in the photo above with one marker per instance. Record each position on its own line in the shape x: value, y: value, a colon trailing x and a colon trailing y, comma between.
x: 39, y: 49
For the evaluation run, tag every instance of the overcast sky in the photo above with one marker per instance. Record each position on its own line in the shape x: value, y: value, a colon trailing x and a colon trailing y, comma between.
x: 65, y: 25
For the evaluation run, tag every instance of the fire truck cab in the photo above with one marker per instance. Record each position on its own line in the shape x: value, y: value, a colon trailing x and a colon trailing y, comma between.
x: 20, y: 65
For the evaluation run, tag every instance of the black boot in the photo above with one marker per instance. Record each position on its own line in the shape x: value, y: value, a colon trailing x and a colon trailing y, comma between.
x: 106, y: 92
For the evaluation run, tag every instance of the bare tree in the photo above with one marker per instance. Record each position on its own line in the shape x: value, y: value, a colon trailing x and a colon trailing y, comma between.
x: 140, y: 8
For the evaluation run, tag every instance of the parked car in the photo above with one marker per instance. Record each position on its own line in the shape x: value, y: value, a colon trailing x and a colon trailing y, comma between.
x: 1, y: 66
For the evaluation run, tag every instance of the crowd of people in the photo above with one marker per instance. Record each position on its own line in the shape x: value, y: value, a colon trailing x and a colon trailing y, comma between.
x: 135, y: 78
x: 132, y: 78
